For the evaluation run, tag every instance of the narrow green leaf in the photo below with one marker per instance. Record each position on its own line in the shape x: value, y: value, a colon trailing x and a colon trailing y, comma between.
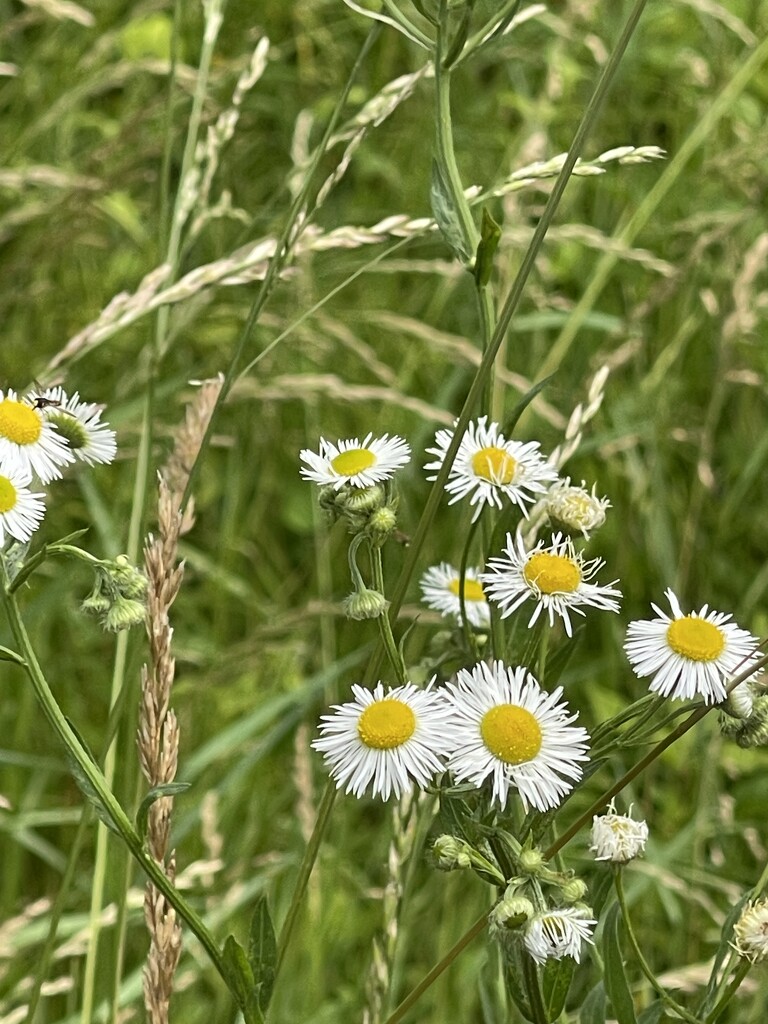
x: 652, y: 1014
x: 262, y: 953
x: 593, y: 1007
x: 615, y: 979
x: 461, y: 35
x: 84, y: 783
x: 164, y: 789
x: 240, y: 978
x: 514, y: 983
x: 445, y: 214
x: 524, y: 402
x: 490, y: 233
x: 6, y: 654
x: 555, y: 983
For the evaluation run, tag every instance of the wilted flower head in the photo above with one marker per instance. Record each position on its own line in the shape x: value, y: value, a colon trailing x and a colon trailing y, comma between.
x: 554, y: 934
x: 574, y: 509
x: 617, y: 837
x: 750, y: 932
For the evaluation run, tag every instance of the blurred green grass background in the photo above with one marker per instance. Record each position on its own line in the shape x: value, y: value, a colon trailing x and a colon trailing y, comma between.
x: 680, y: 445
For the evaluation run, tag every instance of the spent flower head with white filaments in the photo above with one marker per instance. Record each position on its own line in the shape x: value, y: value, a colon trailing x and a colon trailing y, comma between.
x: 506, y: 729
x: 553, y: 934
x: 355, y: 463
x: 689, y: 655
x: 555, y: 576
x: 617, y: 837
x: 21, y: 510
x: 29, y: 443
x: 575, y: 509
x: 80, y: 424
x: 488, y: 468
x: 393, y: 739
x: 441, y: 589
x: 750, y: 932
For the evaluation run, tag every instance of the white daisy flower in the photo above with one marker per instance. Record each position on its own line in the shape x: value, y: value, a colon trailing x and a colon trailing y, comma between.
x: 392, y: 739
x: 488, y: 467
x: 556, y: 577
x: 28, y: 442
x: 689, y: 655
x: 355, y: 463
x: 506, y: 728
x: 558, y: 933
x: 575, y: 508
x: 441, y: 587
x: 21, y: 511
x: 617, y: 837
x: 79, y: 422
x: 751, y: 931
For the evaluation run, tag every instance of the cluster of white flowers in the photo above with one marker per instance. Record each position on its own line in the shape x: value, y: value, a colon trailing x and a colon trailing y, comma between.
x: 41, y: 434
x: 493, y: 724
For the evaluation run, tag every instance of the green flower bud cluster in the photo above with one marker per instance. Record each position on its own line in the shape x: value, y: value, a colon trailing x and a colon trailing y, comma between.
x: 371, y: 511
x: 118, y: 598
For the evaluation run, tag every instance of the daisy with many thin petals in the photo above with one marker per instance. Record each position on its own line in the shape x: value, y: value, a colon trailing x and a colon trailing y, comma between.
x: 556, y: 577
x: 488, y: 468
x: 28, y: 442
x: 441, y: 587
x: 505, y: 728
x: 392, y: 739
x: 80, y: 423
x: 355, y: 463
x: 21, y: 511
x: 554, y: 934
x: 689, y: 655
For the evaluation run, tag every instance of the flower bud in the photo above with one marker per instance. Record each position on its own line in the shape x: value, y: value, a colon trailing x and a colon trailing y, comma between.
x: 450, y: 853
x: 123, y: 614
x: 365, y: 604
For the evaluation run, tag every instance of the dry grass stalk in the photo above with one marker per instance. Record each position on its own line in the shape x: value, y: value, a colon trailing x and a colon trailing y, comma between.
x: 158, y: 733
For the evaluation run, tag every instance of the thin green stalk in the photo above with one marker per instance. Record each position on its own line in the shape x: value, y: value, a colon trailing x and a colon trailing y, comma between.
x: 98, y: 783
x: 385, y: 626
x: 660, y: 991
x: 305, y: 870
x: 533, y: 991
x: 283, y: 248
x: 415, y: 994
x: 647, y: 207
x: 510, y: 306
x: 734, y: 985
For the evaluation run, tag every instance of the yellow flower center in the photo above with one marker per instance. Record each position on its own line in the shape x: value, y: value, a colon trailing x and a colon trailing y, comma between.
x: 7, y: 495
x: 20, y: 423
x: 354, y: 461
x: 696, y: 638
x: 552, y: 574
x: 511, y: 733
x: 473, y: 590
x: 494, y: 464
x: 386, y: 724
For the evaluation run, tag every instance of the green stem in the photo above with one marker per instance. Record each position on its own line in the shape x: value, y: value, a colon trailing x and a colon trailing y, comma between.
x: 385, y: 626
x: 437, y: 970
x: 660, y: 991
x: 533, y: 990
x: 733, y: 987
x: 106, y: 797
x: 305, y: 870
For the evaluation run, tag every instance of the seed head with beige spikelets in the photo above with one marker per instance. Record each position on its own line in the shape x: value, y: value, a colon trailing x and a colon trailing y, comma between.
x: 158, y: 733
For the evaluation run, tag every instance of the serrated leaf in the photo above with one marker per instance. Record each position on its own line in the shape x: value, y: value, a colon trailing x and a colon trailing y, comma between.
x: 84, y: 783
x: 555, y: 983
x: 164, y: 789
x: 490, y: 233
x: 444, y: 212
x: 593, y: 1008
x: 262, y: 953
x: 615, y: 978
